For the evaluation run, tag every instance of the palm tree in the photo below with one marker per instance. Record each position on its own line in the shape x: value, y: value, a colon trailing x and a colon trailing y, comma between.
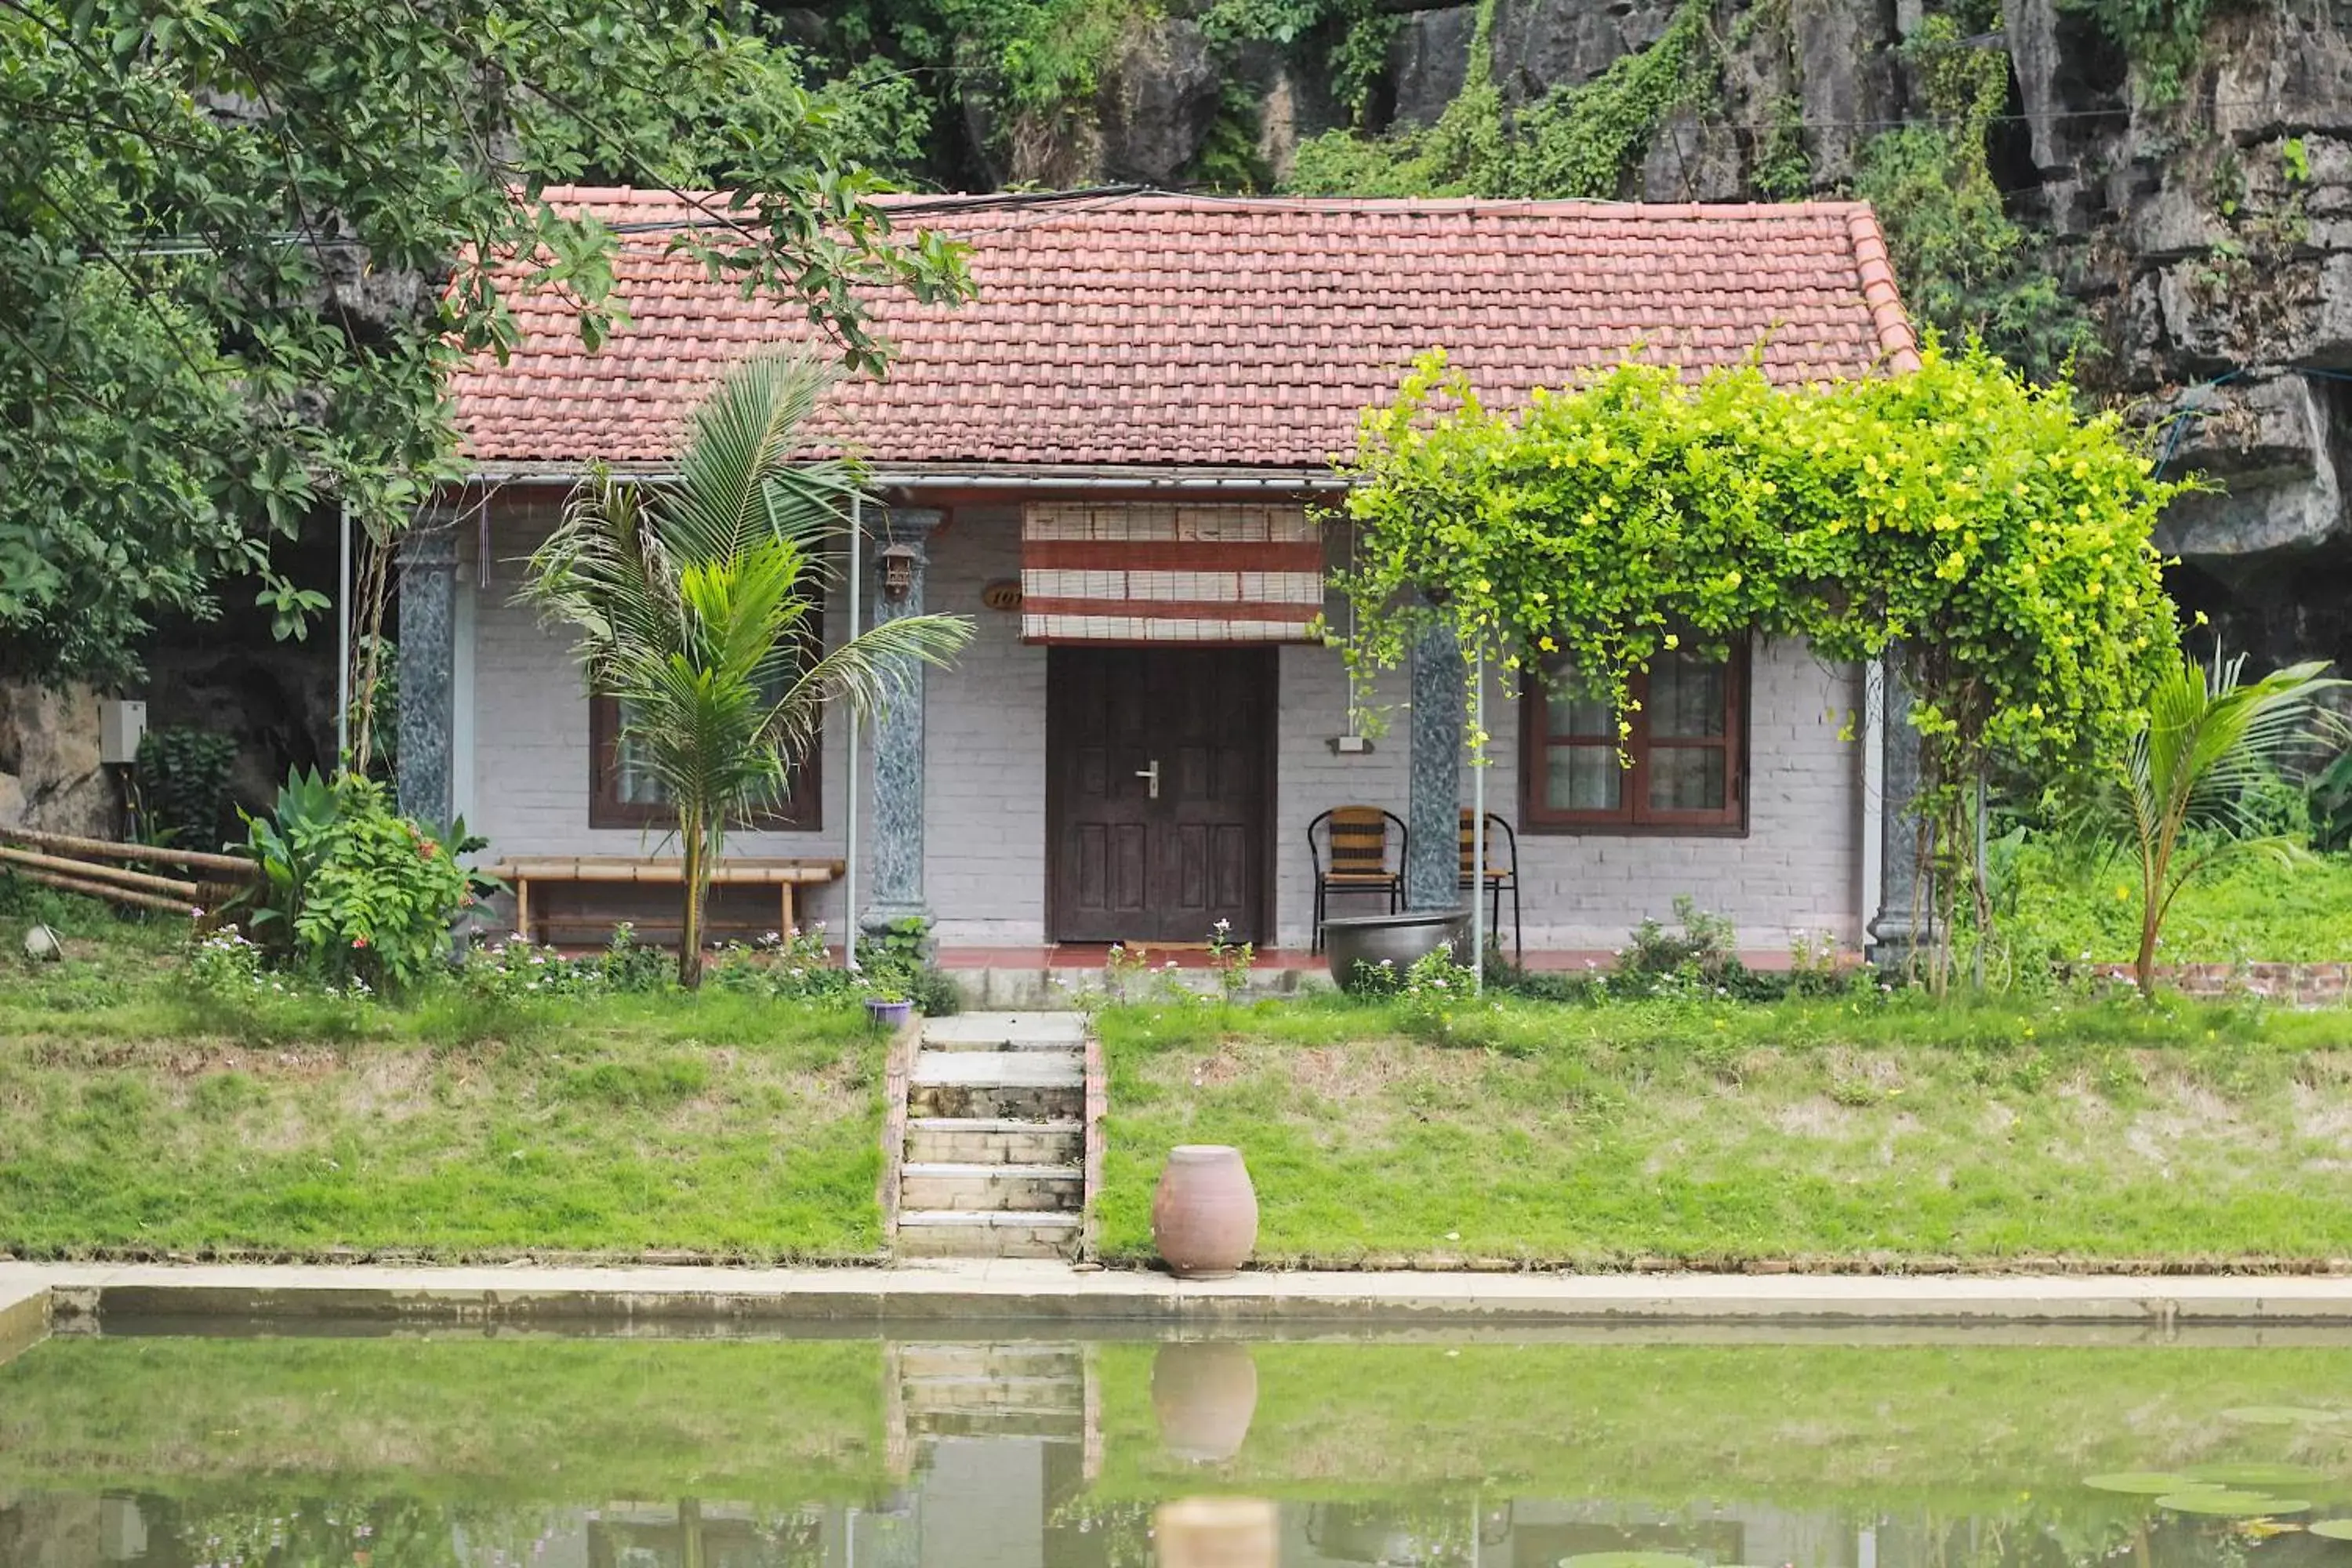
x: 693, y: 603
x: 2210, y: 736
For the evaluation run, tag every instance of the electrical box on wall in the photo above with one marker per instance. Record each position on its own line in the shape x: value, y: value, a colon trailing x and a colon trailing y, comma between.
x: 122, y: 725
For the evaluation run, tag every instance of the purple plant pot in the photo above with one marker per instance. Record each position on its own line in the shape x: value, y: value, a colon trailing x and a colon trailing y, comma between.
x: 888, y: 1014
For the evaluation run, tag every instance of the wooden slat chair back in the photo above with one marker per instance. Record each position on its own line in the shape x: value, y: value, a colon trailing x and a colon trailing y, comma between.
x: 1355, y: 850
x: 1502, y: 871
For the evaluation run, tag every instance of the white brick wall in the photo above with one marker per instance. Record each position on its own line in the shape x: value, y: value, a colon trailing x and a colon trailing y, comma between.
x: 1797, y: 869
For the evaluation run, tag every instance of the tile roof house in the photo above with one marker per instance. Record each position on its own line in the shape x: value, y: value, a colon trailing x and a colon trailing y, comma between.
x: 1107, y: 460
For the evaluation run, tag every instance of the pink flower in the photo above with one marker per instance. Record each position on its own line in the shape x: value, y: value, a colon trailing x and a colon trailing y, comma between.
x: 359, y: 942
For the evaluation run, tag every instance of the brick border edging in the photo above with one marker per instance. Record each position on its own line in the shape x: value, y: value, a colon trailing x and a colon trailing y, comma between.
x: 898, y: 1068
x: 2313, y: 985
x: 1098, y: 1142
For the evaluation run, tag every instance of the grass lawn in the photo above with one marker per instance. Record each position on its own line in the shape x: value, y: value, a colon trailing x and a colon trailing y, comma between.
x: 1718, y: 1133
x: 140, y: 1116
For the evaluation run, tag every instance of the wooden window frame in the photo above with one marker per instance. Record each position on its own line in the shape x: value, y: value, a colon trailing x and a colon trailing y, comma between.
x: 1635, y: 816
x: 802, y: 810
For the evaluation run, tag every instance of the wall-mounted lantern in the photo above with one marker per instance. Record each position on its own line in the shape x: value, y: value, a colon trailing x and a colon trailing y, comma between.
x: 897, y: 570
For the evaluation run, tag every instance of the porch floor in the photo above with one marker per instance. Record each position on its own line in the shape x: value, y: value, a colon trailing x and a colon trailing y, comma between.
x: 1070, y: 955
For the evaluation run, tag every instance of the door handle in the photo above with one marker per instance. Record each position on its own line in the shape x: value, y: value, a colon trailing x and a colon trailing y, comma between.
x: 1151, y: 773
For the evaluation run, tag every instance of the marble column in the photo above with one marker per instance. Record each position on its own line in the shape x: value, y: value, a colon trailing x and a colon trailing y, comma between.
x: 896, y: 892
x: 1905, y: 922
x: 428, y: 621
x: 1432, y: 866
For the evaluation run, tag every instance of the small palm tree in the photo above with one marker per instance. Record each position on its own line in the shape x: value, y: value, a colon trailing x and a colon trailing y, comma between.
x: 2209, y: 737
x: 694, y: 602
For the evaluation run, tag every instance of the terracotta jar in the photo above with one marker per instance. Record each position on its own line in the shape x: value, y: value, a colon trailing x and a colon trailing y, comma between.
x: 1218, y: 1532
x: 1204, y: 1211
x: 1203, y: 1393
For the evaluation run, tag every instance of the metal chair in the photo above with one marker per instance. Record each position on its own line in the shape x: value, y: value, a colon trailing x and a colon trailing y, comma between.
x: 1349, y: 847
x: 1499, y: 874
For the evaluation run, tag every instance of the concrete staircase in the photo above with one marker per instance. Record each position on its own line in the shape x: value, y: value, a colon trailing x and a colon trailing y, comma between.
x: 995, y: 1152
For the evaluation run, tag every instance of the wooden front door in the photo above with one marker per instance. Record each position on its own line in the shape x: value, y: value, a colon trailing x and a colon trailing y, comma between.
x: 1157, y: 761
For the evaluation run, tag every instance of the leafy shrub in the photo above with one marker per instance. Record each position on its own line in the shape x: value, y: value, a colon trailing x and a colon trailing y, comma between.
x: 1439, y: 999
x: 223, y: 962
x: 352, y: 889
x: 1705, y: 947
x: 896, y: 966
x: 183, y: 778
x: 793, y: 966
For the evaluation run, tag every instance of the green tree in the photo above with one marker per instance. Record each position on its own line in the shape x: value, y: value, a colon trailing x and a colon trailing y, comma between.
x: 2210, y: 738
x: 242, y: 240
x: 692, y: 603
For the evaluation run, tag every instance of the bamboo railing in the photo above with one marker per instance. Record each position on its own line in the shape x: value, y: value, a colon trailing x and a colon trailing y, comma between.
x: 76, y: 865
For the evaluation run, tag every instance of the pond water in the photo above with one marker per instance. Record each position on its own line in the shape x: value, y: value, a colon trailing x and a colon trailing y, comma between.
x: 173, y: 1448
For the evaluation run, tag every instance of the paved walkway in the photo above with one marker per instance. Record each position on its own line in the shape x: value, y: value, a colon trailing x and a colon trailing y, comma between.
x: 1034, y: 1290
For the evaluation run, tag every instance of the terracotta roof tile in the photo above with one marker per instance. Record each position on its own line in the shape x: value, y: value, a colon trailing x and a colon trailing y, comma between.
x: 1162, y: 330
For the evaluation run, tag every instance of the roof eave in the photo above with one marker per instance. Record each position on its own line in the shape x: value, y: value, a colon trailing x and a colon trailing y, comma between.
x: 972, y: 476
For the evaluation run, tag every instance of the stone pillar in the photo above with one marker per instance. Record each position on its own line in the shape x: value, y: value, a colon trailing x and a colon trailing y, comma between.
x: 428, y: 622
x: 896, y: 835
x: 1432, y: 866
x: 1905, y: 922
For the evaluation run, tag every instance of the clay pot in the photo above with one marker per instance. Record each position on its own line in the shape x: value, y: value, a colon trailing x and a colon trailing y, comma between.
x: 1204, y: 1211
x: 1203, y: 1393
x: 1217, y: 1533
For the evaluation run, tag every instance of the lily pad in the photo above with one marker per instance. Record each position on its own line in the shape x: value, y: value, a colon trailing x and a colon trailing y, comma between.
x: 2333, y: 1529
x: 1631, y: 1559
x: 2255, y: 1475
x: 2279, y: 1414
x: 2224, y: 1503
x: 2144, y: 1483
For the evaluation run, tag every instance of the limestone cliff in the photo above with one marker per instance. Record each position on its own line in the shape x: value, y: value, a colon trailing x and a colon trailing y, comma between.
x: 2196, y: 210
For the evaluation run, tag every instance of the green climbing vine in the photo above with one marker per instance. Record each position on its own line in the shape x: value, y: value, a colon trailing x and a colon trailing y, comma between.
x: 1978, y: 531
x: 1966, y: 267
x: 1574, y: 141
x: 2163, y: 39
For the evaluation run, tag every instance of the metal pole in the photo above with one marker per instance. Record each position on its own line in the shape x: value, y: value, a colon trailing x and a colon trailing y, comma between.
x: 1478, y: 824
x: 343, y: 638
x: 849, y: 850
x: 1978, y: 966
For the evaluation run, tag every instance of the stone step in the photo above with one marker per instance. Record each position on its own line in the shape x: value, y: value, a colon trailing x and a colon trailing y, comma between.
x: 938, y: 1186
x: 965, y: 1032
x: 979, y: 1395
x: 985, y: 1232
x: 1026, y: 1086
x: 982, y: 1140
x: 1054, y: 1069
x: 1053, y: 1426
x: 961, y: 1359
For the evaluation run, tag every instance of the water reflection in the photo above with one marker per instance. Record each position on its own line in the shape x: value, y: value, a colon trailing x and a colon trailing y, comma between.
x: 449, y: 1451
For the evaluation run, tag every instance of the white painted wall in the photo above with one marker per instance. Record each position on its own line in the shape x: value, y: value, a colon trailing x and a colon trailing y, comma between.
x: 1798, y: 869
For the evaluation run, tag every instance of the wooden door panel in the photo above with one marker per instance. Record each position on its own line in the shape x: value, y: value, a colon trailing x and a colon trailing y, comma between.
x: 1130, y: 866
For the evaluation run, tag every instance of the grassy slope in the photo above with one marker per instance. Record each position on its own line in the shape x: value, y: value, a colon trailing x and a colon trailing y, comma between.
x: 1970, y: 1426
x: 453, y: 1417
x: 134, y: 1116
x: 1722, y: 1133
x: 2061, y: 908
x: 1992, y: 1429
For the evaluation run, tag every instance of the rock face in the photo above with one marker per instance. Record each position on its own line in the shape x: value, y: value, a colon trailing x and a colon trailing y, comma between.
x: 2210, y: 232
x: 49, y: 773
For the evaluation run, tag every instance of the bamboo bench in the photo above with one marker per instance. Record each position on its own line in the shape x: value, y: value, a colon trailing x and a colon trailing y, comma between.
x: 784, y: 875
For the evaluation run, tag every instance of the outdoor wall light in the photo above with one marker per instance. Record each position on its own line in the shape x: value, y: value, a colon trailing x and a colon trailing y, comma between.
x: 897, y: 570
